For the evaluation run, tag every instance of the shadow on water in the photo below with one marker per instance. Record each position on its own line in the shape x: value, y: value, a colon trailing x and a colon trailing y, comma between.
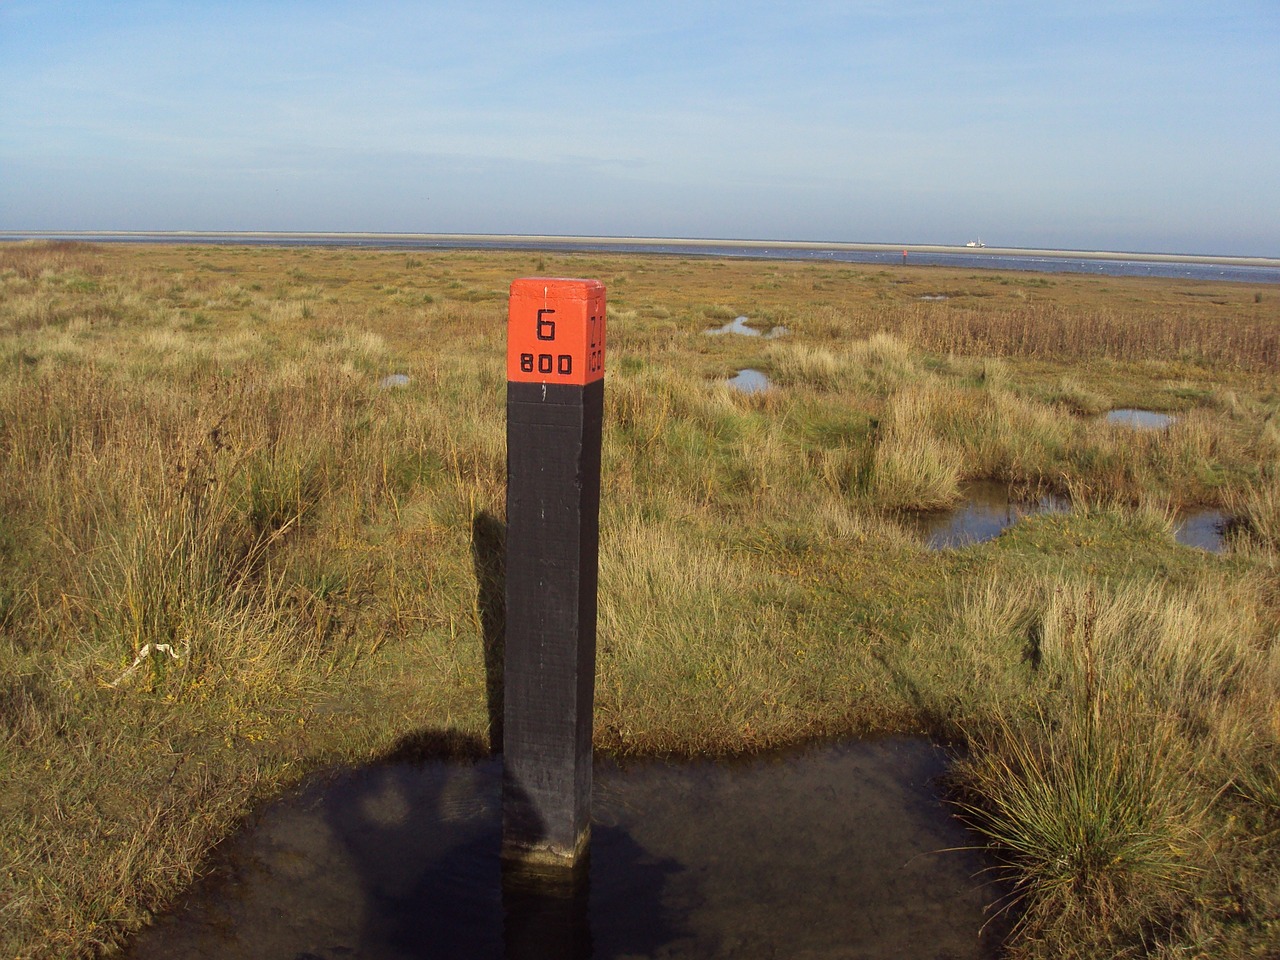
x: 488, y: 558
x: 402, y: 860
x: 839, y: 850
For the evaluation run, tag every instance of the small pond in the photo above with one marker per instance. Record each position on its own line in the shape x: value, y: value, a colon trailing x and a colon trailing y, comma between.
x: 835, y: 851
x: 1140, y: 419
x: 1203, y: 529
x: 750, y: 381
x: 739, y: 326
x: 987, y: 507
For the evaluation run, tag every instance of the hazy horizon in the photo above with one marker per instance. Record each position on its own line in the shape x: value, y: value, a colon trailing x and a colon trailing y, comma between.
x: 605, y: 241
x: 1133, y: 126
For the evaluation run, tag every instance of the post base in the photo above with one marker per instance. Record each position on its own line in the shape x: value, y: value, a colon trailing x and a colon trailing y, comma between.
x: 539, y: 859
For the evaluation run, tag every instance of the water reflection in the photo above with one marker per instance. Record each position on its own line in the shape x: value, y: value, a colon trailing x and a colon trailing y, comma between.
x: 749, y: 381
x: 988, y: 507
x: 1203, y: 529
x: 739, y: 326
x: 545, y: 913
x: 1140, y: 419
x: 844, y: 850
x: 828, y: 851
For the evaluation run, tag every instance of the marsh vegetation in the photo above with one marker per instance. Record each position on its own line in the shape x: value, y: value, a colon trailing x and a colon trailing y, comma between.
x: 231, y: 558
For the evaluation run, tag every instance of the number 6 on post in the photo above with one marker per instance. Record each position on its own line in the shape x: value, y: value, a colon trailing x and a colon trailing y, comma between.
x: 555, y: 409
x: 555, y: 331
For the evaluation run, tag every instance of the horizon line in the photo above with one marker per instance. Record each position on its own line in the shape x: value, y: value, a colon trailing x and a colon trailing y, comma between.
x: 605, y: 240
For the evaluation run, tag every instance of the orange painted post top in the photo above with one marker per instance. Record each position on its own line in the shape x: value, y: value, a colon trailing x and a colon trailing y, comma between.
x: 555, y: 331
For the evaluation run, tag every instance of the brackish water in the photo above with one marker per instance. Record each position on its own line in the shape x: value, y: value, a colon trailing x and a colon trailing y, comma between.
x: 988, y: 507
x: 739, y: 326
x: 749, y: 381
x: 843, y: 850
x: 1204, y: 529
x: 1140, y: 419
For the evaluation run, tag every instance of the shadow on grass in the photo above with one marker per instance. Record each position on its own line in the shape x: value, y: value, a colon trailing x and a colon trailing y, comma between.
x: 488, y: 558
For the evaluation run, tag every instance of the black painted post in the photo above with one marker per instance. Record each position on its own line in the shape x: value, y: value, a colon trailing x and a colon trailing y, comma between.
x: 555, y: 403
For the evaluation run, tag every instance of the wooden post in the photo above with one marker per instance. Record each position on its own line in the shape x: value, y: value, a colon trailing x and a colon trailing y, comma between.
x: 555, y: 404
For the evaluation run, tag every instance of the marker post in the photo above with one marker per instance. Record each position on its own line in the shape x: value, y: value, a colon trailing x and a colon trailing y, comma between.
x: 555, y: 406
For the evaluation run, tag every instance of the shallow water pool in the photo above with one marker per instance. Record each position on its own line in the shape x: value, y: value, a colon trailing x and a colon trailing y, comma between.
x: 1140, y: 419
x: 750, y: 381
x: 987, y: 508
x: 739, y: 326
x: 835, y: 851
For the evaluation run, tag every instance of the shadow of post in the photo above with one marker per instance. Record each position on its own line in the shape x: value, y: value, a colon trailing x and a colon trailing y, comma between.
x: 488, y: 558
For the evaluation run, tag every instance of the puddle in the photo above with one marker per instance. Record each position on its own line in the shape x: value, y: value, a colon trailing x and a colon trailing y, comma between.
x: 1140, y: 419
x: 986, y: 510
x: 1203, y: 529
x: 750, y: 381
x: 841, y: 850
x: 394, y: 380
x: 932, y: 297
x: 739, y: 326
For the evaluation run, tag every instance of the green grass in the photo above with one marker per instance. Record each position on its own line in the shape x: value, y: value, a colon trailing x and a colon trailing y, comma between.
x: 194, y: 453
x: 1108, y: 794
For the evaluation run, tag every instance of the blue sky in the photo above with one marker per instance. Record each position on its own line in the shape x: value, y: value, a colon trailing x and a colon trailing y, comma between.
x: 1090, y: 125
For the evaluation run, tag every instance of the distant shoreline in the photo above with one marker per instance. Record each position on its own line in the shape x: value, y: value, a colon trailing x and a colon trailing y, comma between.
x: 284, y: 237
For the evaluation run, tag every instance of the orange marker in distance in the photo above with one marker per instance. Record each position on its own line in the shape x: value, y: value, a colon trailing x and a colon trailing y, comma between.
x: 555, y: 331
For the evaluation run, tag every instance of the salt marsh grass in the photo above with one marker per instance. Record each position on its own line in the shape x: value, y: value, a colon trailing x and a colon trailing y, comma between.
x: 1102, y: 791
x: 1258, y: 506
x: 912, y: 471
x: 230, y: 557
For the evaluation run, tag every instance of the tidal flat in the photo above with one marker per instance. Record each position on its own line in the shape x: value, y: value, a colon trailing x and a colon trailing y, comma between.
x: 233, y: 558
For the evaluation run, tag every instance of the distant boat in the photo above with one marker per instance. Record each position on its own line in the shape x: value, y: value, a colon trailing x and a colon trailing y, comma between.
x: 975, y: 243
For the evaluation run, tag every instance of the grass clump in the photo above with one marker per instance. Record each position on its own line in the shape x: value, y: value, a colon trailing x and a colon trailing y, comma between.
x: 1094, y: 830
x: 912, y: 468
x: 1258, y: 507
x: 1106, y: 794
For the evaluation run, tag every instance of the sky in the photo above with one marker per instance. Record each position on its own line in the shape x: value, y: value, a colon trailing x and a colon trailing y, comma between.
x: 1133, y: 126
